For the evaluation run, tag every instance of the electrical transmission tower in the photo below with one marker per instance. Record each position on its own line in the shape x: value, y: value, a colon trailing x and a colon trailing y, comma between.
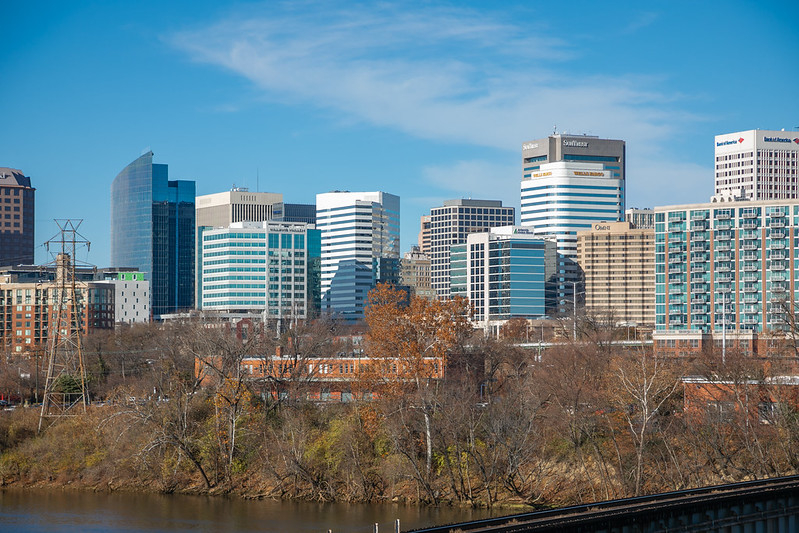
x: 65, y: 387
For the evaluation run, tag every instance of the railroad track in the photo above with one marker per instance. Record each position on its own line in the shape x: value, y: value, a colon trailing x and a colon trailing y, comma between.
x: 633, y: 510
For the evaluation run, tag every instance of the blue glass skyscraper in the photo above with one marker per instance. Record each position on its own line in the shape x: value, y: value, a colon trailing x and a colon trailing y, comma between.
x: 152, y: 229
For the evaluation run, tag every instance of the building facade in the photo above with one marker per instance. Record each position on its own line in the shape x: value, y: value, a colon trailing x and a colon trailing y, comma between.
x: 17, y: 218
x: 503, y: 274
x: 260, y: 268
x: 618, y: 264
x: 757, y: 165
x: 726, y: 267
x: 131, y: 294
x: 424, y: 235
x: 415, y: 273
x: 570, y: 182
x: 220, y: 210
x: 29, y: 304
x: 153, y: 230
x: 359, y: 248
x: 451, y: 223
x: 640, y: 218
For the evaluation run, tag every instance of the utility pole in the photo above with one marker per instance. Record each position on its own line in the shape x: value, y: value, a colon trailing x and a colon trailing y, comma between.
x: 65, y: 384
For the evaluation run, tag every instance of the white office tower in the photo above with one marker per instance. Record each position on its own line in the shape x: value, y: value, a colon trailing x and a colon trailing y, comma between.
x: 756, y: 165
x: 360, y: 247
x: 568, y: 184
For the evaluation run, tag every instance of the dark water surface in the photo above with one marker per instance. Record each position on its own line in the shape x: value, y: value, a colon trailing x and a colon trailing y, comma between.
x: 49, y: 510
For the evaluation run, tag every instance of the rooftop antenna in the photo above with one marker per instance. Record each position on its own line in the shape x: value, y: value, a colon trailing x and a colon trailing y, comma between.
x: 555, y: 129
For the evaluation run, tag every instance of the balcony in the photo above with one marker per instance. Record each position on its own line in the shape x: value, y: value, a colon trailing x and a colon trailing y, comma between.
x: 778, y: 289
x: 698, y: 238
x: 774, y: 245
x: 699, y: 290
x: 776, y: 224
x: 749, y: 214
x: 749, y: 278
x: 750, y: 320
x: 722, y: 268
x: 723, y: 279
x: 698, y: 300
x: 777, y: 256
x: 778, y: 277
x: 750, y: 257
x: 698, y: 269
x: 750, y: 268
x: 723, y: 247
x: 777, y: 234
x: 700, y: 216
x: 751, y: 299
x: 750, y: 288
x: 777, y: 267
x: 676, y: 290
x: 749, y: 224
x: 674, y: 260
x: 723, y: 236
x: 777, y: 214
x: 722, y: 216
x: 749, y: 247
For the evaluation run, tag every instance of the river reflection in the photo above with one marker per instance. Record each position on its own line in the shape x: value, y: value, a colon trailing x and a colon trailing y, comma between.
x: 47, y: 510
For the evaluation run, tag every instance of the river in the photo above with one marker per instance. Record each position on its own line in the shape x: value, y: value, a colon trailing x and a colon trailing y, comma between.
x: 50, y: 510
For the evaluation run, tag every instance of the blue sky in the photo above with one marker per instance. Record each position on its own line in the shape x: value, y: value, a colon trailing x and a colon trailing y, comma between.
x: 427, y: 100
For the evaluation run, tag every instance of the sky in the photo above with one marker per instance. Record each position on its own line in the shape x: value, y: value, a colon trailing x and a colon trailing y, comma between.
x: 427, y: 100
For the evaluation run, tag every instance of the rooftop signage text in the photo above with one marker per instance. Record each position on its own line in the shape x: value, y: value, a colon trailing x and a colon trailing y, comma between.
x: 601, y: 227
x: 575, y: 144
x: 542, y: 174
x: 733, y: 141
x: 780, y: 140
x: 529, y: 146
x: 584, y: 173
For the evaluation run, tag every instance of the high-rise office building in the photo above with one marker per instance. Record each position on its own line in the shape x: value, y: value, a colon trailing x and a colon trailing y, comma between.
x: 570, y: 182
x: 618, y: 263
x: 16, y: 218
x: 451, y: 223
x: 503, y: 273
x: 360, y: 247
x: 220, y: 210
x: 757, y: 165
x: 153, y: 230
x: 260, y: 268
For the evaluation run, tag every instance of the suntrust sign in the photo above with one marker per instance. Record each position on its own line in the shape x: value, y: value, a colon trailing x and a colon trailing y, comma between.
x: 575, y: 144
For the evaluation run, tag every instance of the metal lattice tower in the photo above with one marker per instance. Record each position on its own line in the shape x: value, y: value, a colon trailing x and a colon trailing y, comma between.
x: 65, y: 388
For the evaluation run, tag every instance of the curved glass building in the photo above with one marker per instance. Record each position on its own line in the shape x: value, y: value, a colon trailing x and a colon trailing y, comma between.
x: 152, y: 229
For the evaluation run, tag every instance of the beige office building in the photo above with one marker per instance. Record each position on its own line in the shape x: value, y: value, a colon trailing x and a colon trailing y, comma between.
x: 619, y: 267
x: 222, y: 209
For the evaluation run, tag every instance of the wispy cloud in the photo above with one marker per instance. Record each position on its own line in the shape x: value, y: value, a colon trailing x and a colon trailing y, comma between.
x: 435, y: 73
x: 478, y: 179
x: 438, y: 73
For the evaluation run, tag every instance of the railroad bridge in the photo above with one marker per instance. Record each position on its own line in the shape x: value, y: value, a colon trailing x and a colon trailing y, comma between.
x: 764, y: 505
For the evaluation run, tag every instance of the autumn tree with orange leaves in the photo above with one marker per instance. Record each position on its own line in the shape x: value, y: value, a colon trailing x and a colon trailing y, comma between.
x: 409, y: 346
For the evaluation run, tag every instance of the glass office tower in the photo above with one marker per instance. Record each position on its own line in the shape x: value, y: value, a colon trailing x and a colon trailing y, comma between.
x: 152, y: 229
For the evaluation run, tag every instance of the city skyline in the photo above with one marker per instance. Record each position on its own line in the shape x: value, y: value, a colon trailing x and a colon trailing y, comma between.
x: 427, y: 101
